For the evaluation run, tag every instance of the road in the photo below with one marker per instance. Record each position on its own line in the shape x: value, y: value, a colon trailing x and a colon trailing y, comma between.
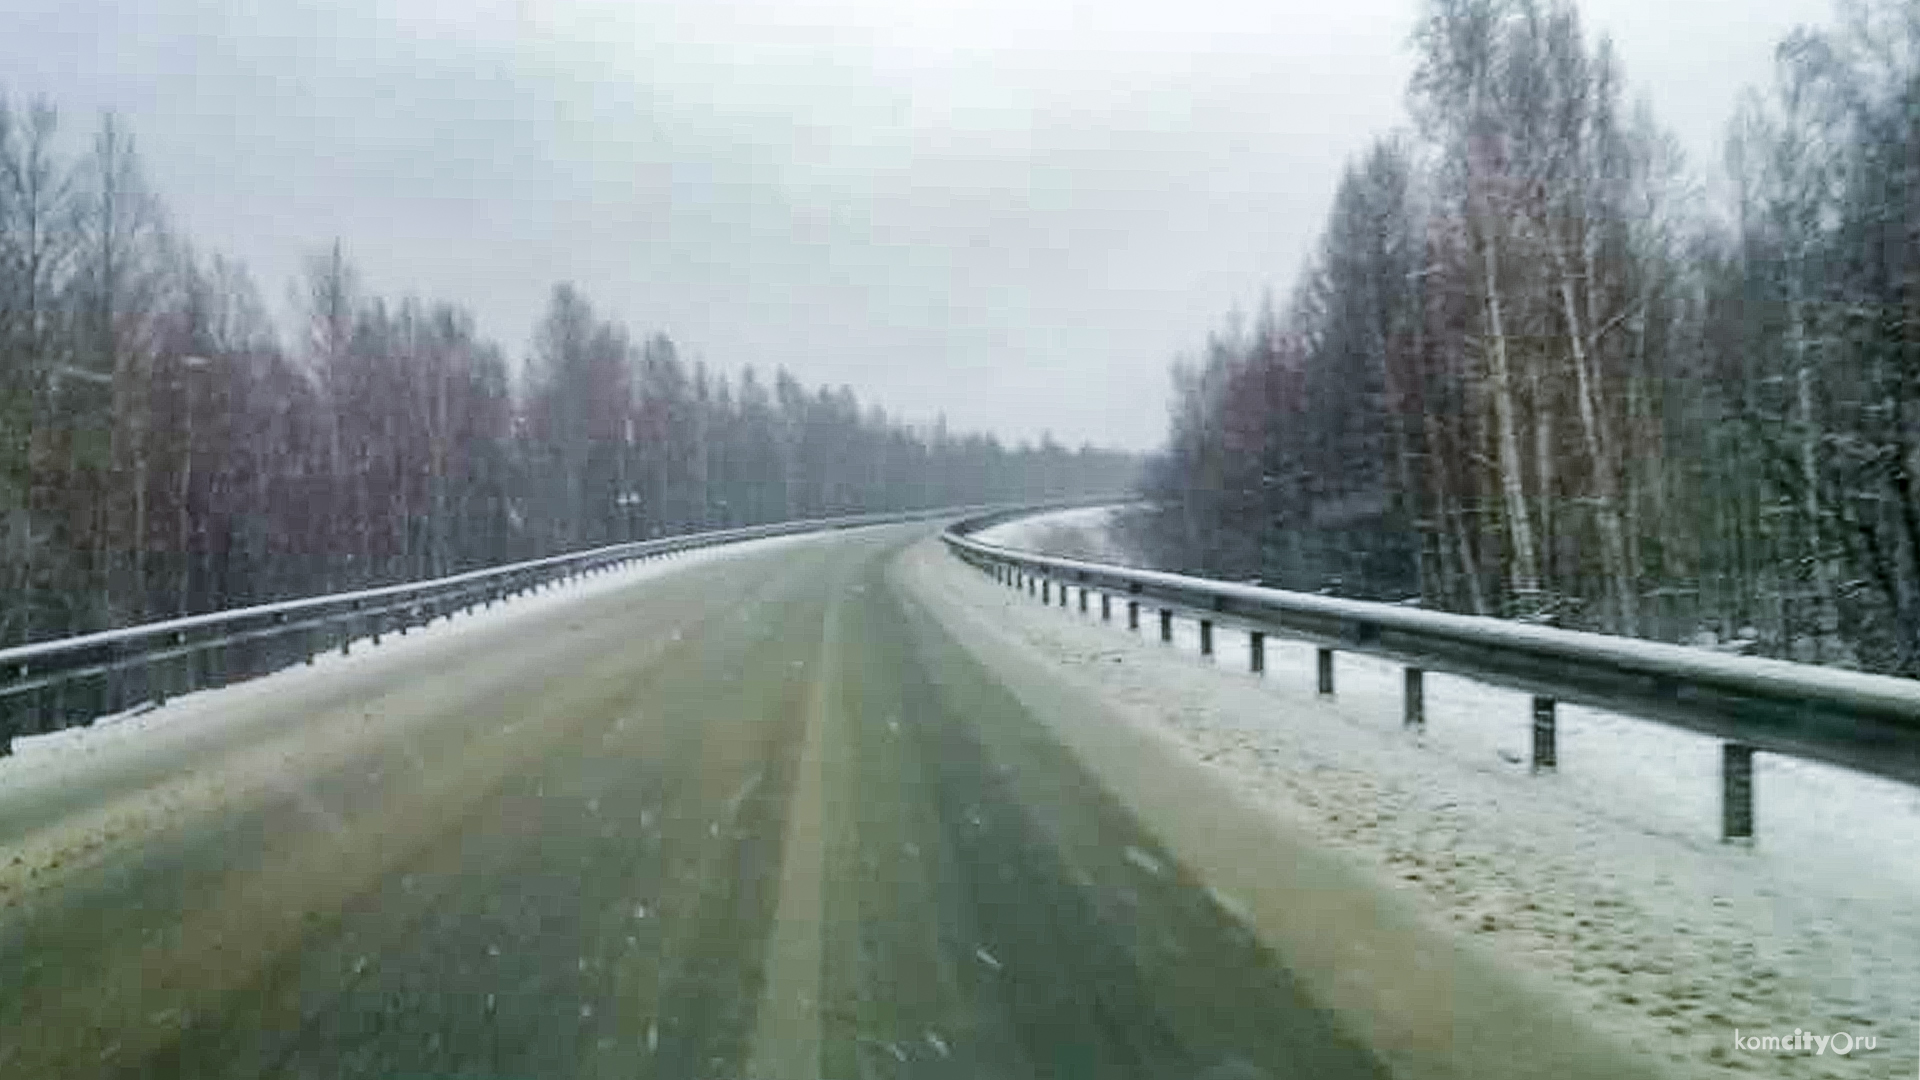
x: 758, y: 817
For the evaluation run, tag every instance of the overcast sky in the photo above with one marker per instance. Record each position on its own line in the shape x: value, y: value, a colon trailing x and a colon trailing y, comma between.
x: 1016, y: 212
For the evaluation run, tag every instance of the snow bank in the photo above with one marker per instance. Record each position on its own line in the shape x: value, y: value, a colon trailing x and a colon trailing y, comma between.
x: 1608, y: 875
x: 33, y: 754
x: 1087, y: 533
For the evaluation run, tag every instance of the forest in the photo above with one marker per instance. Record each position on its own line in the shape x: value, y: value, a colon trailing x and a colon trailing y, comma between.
x: 1533, y: 370
x: 166, y: 449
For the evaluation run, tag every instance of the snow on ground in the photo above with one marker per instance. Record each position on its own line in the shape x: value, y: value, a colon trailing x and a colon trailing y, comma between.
x: 1607, y: 875
x: 1086, y: 533
x: 34, y: 755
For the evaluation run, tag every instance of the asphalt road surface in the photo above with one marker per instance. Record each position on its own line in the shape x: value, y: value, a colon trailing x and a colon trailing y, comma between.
x: 758, y: 817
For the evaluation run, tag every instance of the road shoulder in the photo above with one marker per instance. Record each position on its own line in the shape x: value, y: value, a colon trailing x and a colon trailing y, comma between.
x: 1430, y: 1003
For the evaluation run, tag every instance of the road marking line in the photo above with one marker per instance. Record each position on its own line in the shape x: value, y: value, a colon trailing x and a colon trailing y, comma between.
x: 787, y: 1029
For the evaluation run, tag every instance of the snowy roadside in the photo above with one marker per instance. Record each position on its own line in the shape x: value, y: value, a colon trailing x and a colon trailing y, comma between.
x: 42, y: 758
x: 1086, y: 533
x: 1606, y: 877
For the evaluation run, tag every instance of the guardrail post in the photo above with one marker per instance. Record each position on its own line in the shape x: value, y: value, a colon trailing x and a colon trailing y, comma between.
x: 1083, y: 599
x: 1736, y: 792
x: 157, y: 682
x: 1546, y: 751
x: 1166, y: 625
x: 1416, y: 706
x: 138, y: 667
x: 1206, y: 637
x: 1133, y: 614
x: 1323, y: 666
x: 1063, y: 594
x: 1106, y: 608
x: 15, y: 711
x: 116, y: 683
x: 195, y: 662
x: 1256, y: 651
x: 1046, y: 591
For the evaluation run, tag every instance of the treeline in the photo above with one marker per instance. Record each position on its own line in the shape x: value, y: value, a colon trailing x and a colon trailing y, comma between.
x: 1531, y: 372
x: 164, y: 450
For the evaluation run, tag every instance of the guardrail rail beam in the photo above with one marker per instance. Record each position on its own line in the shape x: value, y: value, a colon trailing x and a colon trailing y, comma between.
x: 1865, y: 722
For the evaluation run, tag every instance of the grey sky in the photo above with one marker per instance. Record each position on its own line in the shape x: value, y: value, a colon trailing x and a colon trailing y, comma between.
x: 1013, y: 211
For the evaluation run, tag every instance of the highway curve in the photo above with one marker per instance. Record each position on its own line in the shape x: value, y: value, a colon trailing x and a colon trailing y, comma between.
x: 757, y: 817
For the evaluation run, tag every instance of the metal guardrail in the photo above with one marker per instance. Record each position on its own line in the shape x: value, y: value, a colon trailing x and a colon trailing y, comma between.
x: 1869, y: 723
x: 49, y: 685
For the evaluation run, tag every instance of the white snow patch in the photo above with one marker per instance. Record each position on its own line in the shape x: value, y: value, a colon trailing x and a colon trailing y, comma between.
x: 1144, y: 861
x: 1085, y: 533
